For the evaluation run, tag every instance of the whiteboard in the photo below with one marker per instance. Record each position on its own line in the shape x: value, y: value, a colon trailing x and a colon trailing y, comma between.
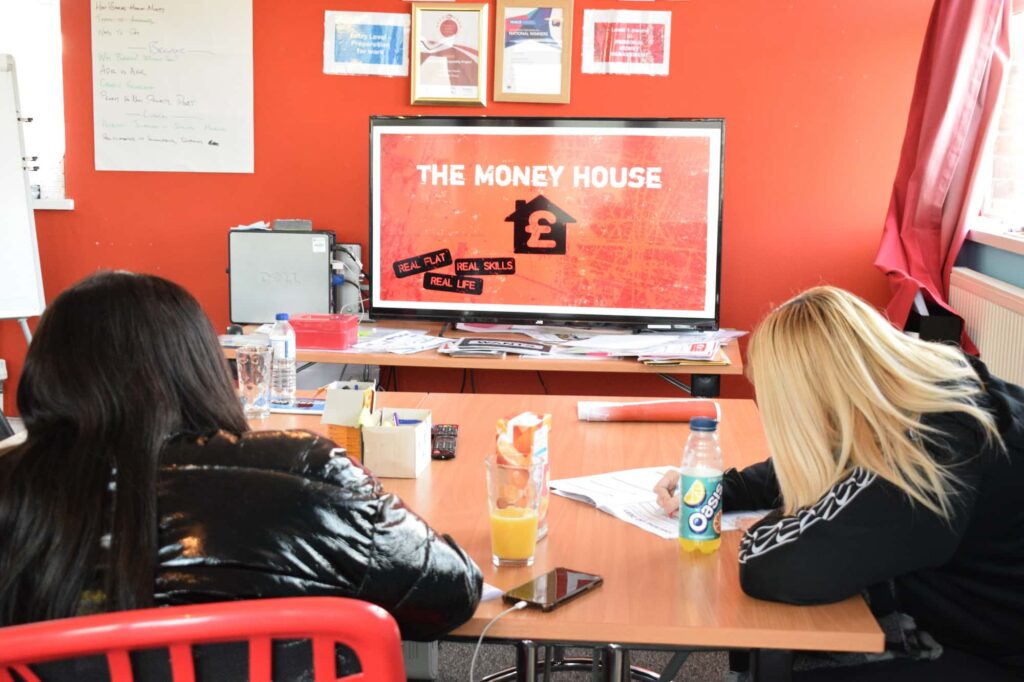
x: 21, y: 283
x: 172, y: 85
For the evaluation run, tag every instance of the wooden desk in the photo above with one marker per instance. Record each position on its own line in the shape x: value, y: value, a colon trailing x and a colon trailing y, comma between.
x: 431, y: 358
x: 653, y: 595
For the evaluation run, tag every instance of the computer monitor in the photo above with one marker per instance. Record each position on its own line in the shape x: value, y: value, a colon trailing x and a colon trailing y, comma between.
x: 549, y: 220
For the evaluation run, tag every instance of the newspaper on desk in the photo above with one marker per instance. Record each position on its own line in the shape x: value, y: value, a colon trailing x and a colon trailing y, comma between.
x: 629, y: 496
x: 493, y: 347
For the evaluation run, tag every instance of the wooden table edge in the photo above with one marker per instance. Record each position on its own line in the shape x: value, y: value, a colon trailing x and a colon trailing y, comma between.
x: 431, y: 358
x: 708, y: 638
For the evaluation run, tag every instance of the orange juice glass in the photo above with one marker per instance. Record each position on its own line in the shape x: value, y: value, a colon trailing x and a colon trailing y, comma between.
x: 513, y: 498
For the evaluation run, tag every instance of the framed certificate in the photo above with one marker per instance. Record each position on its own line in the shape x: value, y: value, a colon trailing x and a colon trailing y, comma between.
x: 533, y: 54
x: 449, y: 53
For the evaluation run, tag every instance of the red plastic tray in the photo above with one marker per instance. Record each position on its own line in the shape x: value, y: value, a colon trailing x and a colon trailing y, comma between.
x: 325, y: 332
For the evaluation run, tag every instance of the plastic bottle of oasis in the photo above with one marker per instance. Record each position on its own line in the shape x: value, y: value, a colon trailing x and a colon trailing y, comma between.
x: 700, y: 489
x: 282, y: 364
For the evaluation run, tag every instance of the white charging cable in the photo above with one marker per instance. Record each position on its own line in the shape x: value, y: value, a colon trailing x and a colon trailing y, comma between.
x: 472, y: 664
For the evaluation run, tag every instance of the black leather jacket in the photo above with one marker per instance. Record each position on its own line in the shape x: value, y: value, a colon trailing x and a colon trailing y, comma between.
x: 276, y: 514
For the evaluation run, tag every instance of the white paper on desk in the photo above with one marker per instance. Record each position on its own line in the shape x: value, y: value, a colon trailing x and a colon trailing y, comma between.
x: 724, y: 336
x: 416, y: 344
x: 383, y: 340
x: 546, y: 337
x: 685, y: 350
x: 625, y: 342
x: 556, y: 355
x: 629, y: 496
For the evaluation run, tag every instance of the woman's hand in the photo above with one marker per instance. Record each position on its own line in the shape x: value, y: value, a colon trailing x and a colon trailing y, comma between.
x: 668, y: 497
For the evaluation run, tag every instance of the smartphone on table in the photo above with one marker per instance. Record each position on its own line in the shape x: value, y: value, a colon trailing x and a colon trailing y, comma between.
x: 554, y: 588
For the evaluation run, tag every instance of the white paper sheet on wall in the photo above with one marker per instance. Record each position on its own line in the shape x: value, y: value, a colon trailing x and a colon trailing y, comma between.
x: 172, y: 85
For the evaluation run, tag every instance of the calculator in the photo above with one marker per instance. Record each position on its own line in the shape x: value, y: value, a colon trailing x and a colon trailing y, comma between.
x: 443, y: 439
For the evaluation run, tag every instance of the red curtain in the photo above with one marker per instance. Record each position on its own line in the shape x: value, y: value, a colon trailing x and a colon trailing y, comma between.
x: 960, y: 79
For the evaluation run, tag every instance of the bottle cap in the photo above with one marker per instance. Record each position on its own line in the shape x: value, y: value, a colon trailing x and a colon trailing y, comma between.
x: 703, y: 424
x: 281, y: 316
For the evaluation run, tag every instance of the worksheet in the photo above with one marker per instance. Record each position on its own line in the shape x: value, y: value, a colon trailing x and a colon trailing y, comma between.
x: 629, y: 496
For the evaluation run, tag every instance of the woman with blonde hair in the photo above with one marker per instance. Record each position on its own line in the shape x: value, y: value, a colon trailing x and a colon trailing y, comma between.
x: 897, y: 469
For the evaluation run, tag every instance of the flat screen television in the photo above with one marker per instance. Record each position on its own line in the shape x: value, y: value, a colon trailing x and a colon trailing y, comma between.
x: 546, y: 220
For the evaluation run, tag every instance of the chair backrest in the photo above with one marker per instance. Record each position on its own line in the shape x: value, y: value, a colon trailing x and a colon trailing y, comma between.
x: 368, y: 630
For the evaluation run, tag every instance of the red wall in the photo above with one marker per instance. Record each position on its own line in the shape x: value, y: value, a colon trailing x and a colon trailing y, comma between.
x: 815, y: 96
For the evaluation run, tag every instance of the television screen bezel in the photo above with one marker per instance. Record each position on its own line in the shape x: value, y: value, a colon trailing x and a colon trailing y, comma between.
x: 542, y: 318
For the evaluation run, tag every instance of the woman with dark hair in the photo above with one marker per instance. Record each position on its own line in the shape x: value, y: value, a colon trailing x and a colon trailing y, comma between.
x: 140, y: 482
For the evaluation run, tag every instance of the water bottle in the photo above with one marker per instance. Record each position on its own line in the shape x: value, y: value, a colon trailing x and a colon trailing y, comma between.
x: 700, y: 489
x: 282, y: 364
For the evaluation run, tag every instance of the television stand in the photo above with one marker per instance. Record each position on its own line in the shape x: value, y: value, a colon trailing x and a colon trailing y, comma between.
x: 704, y: 378
x: 700, y: 386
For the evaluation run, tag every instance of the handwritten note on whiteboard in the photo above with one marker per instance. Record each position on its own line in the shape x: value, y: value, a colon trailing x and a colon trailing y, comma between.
x: 172, y: 85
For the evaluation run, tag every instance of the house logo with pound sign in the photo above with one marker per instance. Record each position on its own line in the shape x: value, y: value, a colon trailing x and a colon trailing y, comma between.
x: 539, y: 226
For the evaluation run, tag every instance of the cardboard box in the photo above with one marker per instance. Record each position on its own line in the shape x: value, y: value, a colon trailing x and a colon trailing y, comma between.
x: 345, y: 400
x: 401, y: 451
x: 345, y: 403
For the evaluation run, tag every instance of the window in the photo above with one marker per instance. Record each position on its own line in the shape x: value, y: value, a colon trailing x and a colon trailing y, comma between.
x: 1003, y: 204
x: 30, y: 30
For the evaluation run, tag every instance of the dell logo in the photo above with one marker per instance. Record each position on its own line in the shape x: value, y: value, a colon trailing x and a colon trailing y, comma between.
x: 279, y: 278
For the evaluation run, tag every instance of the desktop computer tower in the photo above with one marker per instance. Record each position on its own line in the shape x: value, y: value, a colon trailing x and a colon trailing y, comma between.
x: 278, y: 272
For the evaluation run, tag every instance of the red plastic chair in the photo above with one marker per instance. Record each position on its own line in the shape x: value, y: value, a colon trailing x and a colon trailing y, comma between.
x: 367, y: 630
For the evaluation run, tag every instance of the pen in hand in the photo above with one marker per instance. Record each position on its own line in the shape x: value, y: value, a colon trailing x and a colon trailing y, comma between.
x: 668, y: 497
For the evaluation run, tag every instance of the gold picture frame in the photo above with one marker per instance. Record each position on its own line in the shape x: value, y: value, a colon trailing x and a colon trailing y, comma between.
x: 536, y: 64
x: 449, y: 53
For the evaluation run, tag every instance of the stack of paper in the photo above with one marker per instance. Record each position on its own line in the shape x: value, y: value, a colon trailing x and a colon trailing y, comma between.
x: 525, y: 330
x: 720, y: 360
x: 695, y: 348
x: 681, y: 350
x: 622, y: 345
x: 399, y: 341
x: 659, y: 348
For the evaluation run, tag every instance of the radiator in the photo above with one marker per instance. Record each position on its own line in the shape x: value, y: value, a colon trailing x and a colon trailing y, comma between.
x: 994, y: 314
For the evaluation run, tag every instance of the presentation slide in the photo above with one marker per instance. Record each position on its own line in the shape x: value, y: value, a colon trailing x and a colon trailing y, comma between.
x: 577, y: 221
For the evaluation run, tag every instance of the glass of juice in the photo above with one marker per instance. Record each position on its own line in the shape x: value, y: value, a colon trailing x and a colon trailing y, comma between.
x: 513, y: 500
